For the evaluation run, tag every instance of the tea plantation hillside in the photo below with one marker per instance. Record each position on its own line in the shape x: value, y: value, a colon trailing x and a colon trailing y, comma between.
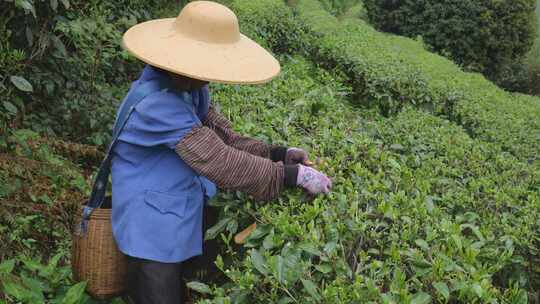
x: 392, y: 71
x: 436, y: 175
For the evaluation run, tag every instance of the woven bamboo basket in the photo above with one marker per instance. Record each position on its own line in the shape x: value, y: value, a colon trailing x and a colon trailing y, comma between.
x: 96, y: 258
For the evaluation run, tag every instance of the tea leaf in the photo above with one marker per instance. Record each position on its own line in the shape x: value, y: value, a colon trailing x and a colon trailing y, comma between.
x: 279, y: 268
x: 422, y: 244
x: 324, y: 268
x: 15, y: 290
x: 421, y: 298
x: 213, y: 231
x: 285, y: 300
x: 199, y: 287
x: 11, y: 108
x: 258, y: 262
x: 7, y: 266
x: 442, y: 288
x: 65, y: 3
x: 26, y: 5
x: 311, y: 288
x: 21, y: 83
x: 75, y: 294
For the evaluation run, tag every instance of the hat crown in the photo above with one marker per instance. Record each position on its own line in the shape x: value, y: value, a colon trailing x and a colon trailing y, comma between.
x: 209, y: 22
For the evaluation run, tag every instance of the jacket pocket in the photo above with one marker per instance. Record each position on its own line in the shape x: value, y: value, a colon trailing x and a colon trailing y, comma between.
x: 166, y: 202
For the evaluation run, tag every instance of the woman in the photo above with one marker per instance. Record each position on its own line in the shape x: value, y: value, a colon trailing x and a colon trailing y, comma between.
x: 175, y: 148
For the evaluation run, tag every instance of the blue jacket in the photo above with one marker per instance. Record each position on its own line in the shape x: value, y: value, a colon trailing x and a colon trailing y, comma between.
x: 157, y: 198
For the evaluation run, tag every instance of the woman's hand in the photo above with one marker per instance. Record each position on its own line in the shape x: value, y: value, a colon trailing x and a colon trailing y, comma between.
x: 312, y: 180
x: 296, y: 156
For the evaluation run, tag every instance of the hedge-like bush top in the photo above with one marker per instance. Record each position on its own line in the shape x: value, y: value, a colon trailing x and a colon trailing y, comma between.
x: 391, y: 71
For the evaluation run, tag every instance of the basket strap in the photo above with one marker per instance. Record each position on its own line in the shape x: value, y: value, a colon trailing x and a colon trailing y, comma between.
x: 102, y: 178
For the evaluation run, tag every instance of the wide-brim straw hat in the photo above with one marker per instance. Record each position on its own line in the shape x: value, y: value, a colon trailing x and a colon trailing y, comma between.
x: 204, y: 42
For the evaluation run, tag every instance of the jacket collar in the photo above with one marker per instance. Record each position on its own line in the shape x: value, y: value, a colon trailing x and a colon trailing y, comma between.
x: 150, y: 73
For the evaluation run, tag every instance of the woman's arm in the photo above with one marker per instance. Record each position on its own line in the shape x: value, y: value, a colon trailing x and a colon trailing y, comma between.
x: 233, y: 169
x: 222, y: 127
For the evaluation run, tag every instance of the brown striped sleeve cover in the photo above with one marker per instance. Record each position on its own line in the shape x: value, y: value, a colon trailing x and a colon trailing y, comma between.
x: 222, y: 127
x: 233, y: 169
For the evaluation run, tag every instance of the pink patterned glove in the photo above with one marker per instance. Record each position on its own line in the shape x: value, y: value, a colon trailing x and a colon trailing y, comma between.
x: 296, y: 156
x: 312, y: 180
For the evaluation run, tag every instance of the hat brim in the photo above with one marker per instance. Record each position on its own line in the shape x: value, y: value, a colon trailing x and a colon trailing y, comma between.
x: 158, y: 44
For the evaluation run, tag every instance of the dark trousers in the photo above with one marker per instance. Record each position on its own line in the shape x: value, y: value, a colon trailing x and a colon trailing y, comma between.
x: 151, y: 282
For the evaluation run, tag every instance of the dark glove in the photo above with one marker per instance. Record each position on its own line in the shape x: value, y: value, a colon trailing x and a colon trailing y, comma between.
x: 296, y: 156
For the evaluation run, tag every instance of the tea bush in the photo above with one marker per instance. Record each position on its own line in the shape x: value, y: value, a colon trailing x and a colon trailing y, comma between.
x: 279, y: 31
x: 419, y: 211
x: 357, y: 11
x: 390, y: 71
x: 339, y: 7
x: 481, y: 36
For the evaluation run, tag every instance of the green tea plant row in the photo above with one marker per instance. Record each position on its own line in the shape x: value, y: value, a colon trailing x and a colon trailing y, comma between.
x: 389, y: 72
x: 393, y: 71
x: 420, y: 212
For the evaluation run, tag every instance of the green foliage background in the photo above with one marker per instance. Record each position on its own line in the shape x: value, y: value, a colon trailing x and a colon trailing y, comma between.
x: 62, y: 65
x: 532, y: 61
x: 436, y: 172
x: 488, y: 36
x: 538, y: 12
